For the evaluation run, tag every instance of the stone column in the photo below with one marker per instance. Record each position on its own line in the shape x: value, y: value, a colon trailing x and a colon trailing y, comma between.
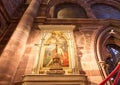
x: 14, y: 50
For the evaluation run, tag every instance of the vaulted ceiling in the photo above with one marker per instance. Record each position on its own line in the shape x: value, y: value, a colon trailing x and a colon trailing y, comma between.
x: 28, y: 1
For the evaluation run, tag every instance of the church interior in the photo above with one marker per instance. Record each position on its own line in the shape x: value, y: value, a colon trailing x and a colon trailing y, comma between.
x: 59, y: 42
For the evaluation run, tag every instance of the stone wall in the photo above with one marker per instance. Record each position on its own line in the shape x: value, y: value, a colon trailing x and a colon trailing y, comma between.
x: 6, y: 36
x: 27, y: 62
x: 3, y: 25
x: 3, y: 29
x: 86, y: 55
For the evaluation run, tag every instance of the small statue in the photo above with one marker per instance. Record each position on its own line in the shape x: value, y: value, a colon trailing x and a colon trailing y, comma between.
x: 56, y: 67
x: 56, y: 63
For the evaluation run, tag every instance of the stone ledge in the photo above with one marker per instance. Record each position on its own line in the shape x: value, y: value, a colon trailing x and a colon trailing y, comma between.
x: 54, y: 80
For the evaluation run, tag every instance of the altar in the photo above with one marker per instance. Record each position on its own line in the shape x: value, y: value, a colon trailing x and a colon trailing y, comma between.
x: 56, y: 60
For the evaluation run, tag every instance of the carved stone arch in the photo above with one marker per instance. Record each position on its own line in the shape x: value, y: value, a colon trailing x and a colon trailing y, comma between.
x: 56, y: 2
x: 111, y: 3
x: 84, y: 6
x: 101, y: 37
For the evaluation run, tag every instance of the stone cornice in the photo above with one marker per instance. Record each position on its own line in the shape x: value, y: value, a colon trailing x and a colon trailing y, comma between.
x: 56, y: 27
x: 74, y: 21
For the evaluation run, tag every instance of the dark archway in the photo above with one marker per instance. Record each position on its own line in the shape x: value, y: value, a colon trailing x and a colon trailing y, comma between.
x: 104, y: 11
x: 69, y: 10
x: 113, y: 60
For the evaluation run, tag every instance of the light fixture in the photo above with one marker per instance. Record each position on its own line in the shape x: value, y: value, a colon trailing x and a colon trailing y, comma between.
x: 112, y: 31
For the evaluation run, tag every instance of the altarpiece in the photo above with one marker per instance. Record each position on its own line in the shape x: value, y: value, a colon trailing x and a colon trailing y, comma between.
x: 56, y: 40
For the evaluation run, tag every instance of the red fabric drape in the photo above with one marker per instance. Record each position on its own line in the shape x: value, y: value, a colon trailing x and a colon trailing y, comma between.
x: 117, y: 78
x: 111, y: 74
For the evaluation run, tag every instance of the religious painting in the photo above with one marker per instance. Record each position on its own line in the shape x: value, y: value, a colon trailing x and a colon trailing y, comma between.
x: 56, y: 44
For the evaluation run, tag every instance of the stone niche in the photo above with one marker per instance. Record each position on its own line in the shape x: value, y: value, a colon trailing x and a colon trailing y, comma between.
x: 56, y: 61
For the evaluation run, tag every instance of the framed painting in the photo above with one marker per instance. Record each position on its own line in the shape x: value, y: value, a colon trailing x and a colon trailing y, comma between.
x: 56, y: 40
x: 56, y: 45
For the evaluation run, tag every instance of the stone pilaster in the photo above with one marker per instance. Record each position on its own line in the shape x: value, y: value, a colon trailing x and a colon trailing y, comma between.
x: 11, y: 56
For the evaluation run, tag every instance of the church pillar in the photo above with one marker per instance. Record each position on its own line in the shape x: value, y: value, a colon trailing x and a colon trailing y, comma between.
x: 14, y: 50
